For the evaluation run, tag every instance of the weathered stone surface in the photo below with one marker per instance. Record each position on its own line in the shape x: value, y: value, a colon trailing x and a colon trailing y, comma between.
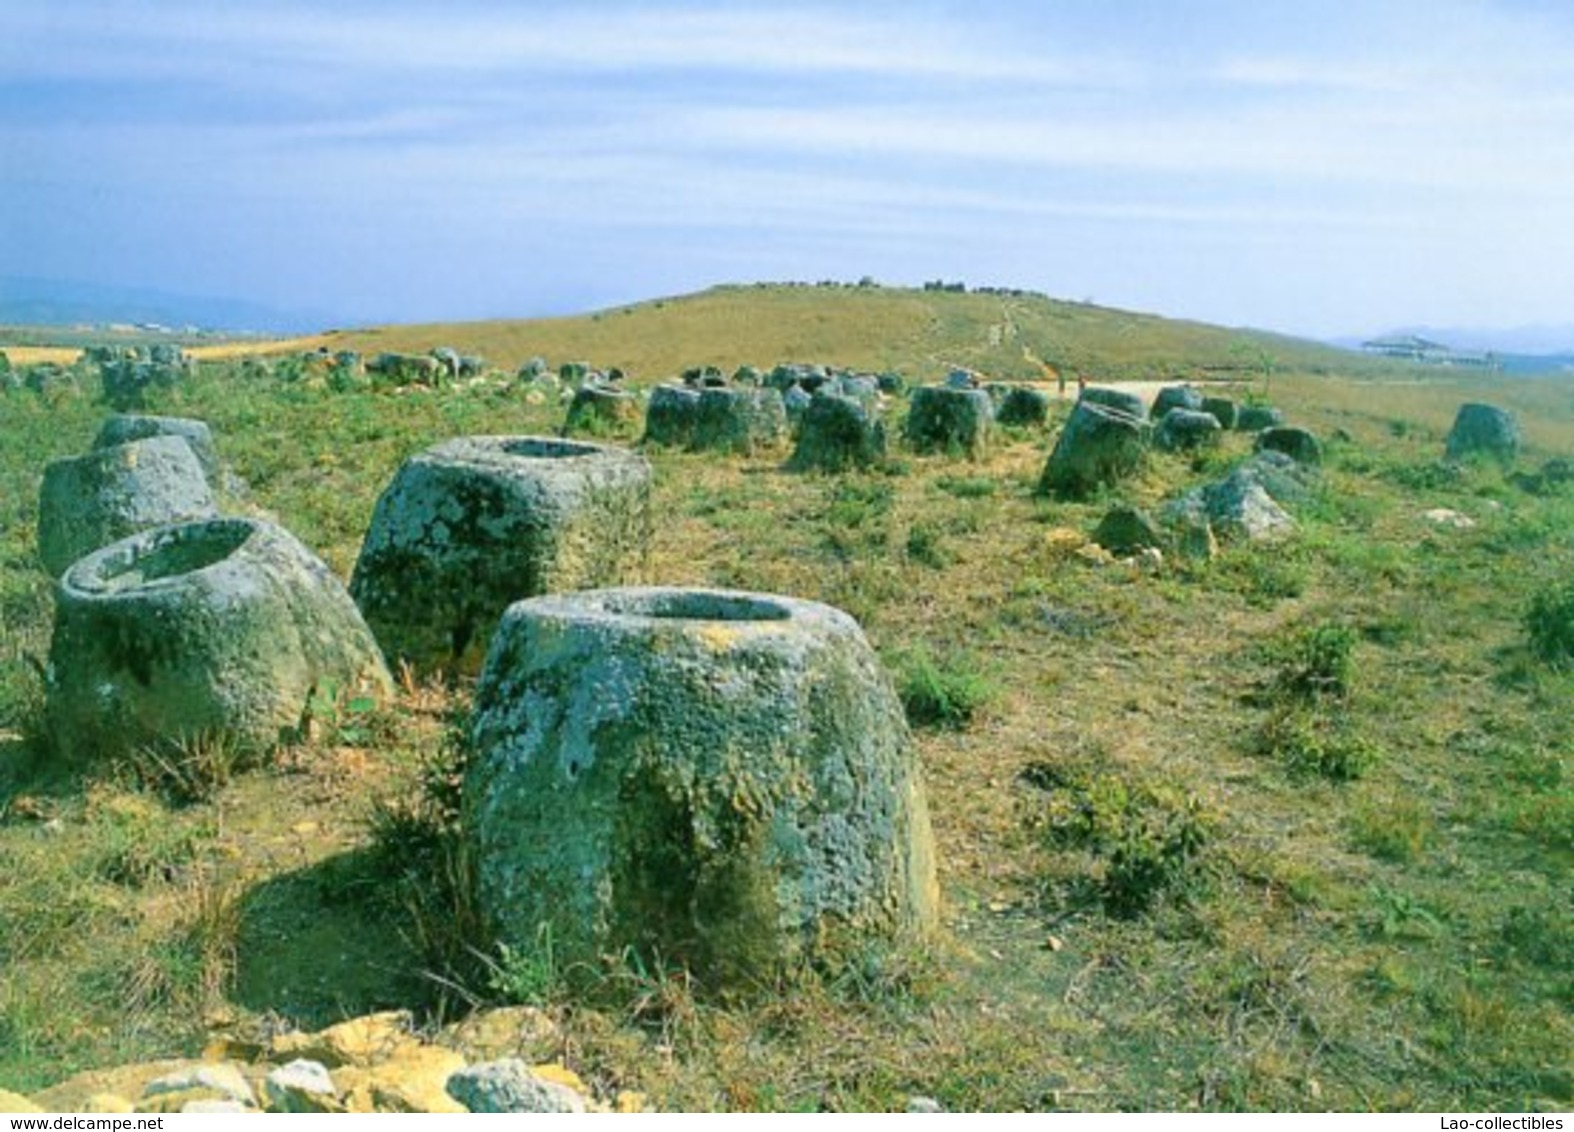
x: 724, y: 778
x: 837, y: 433
x: 221, y: 629
x: 1486, y: 430
x: 17, y: 1103
x: 601, y: 410
x: 1176, y: 397
x: 1296, y: 443
x: 113, y: 1103
x: 1189, y: 529
x: 1239, y: 507
x: 413, y: 1081
x: 122, y: 428
x: 301, y: 1086
x: 368, y: 1040
x: 796, y: 402
x: 473, y: 524
x: 950, y: 419
x: 90, y: 501
x: 73, y: 1094
x: 740, y: 421
x: 393, y: 370
x: 1099, y: 446
x: 1182, y: 430
x: 510, y: 1086
x: 1287, y: 480
x: 1125, y: 401
x: 222, y: 1079
x: 1255, y: 418
x: 509, y: 1031
x: 671, y: 415
x: 126, y: 376
x: 1126, y: 530
x: 1023, y: 405
x: 1221, y: 409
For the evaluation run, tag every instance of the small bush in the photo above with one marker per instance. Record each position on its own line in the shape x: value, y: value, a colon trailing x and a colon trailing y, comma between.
x: 1549, y: 623
x: 1151, y: 841
x: 924, y: 547
x: 1318, y: 663
x: 1316, y: 745
x: 945, y: 692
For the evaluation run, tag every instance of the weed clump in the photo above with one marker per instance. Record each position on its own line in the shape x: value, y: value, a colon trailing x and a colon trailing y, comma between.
x: 1549, y: 623
x: 946, y: 692
x: 1150, y: 841
x: 1319, y: 663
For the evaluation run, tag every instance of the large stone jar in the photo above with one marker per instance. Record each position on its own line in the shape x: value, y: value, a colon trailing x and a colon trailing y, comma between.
x: 724, y: 779
x: 474, y: 524
x: 87, y: 502
x: 224, y: 629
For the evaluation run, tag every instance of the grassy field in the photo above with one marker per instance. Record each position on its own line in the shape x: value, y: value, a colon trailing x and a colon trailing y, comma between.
x: 1291, y: 829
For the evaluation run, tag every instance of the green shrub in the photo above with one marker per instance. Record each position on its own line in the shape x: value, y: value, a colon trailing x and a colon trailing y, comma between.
x: 1151, y: 841
x: 924, y: 546
x: 1317, y: 745
x: 943, y: 692
x: 1549, y: 623
x: 1317, y: 663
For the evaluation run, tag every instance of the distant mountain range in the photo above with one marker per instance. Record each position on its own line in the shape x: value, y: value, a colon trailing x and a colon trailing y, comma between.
x: 29, y: 301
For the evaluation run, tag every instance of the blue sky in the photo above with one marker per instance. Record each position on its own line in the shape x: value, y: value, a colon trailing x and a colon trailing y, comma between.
x: 1316, y: 168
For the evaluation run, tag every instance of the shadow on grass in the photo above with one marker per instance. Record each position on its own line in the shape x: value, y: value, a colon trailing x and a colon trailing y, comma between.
x: 324, y: 943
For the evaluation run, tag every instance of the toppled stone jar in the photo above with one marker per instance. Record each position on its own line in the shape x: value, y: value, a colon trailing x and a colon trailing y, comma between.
x: 719, y: 778
x: 221, y: 629
x: 473, y: 524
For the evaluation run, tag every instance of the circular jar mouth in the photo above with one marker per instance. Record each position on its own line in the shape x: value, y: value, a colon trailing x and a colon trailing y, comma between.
x: 696, y: 605
x: 544, y: 448
x: 156, y: 556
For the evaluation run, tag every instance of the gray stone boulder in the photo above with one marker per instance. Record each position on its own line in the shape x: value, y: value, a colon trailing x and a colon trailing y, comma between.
x: 1296, y: 443
x: 220, y: 630
x: 837, y: 433
x: 126, y: 377
x: 1176, y: 397
x: 961, y: 379
x: 796, y: 402
x: 601, y: 410
x: 90, y: 501
x: 1098, y: 447
x: 300, y: 1086
x: 1125, y: 530
x: 1287, y: 480
x: 1484, y: 430
x: 508, y: 1085
x: 532, y: 368
x: 739, y: 420
x: 122, y: 428
x: 724, y: 779
x: 1255, y: 418
x: 1187, y: 528
x: 473, y: 524
x: 860, y: 387
x: 1222, y: 409
x: 1022, y: 405
x: 1183, y: 430
x: 950, y: 419
x: 1120, y: 399
x: 1237, y: 507
x: 670, y: 415
x: 391, y: 370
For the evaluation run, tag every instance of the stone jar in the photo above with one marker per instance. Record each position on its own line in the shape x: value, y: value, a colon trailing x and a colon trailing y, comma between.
x: 220, y: 629
x: 719, y: 778
x: 474, y: 524
x: 90, y: 501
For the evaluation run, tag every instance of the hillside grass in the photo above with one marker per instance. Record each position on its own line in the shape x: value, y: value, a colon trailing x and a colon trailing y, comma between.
x: 920, y: 333
x: 1161, y: 888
